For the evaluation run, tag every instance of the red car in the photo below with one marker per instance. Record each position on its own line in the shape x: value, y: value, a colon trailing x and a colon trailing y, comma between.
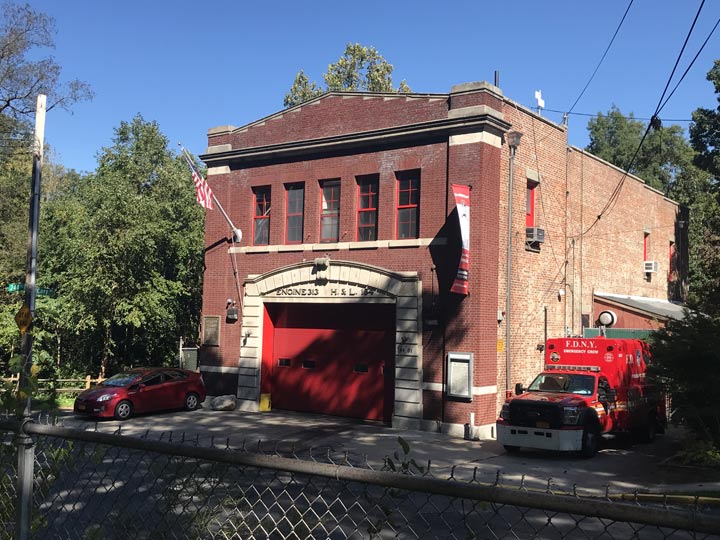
x: 142, y: 390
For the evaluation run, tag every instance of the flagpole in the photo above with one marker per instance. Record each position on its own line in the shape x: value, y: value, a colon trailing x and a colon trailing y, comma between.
x: 236, y: 233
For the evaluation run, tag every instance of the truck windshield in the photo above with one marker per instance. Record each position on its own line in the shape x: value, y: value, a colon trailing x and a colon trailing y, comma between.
x: 583, y: 385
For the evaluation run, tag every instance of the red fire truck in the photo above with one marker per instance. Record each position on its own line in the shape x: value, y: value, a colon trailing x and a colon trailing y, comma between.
x: 589, y: 386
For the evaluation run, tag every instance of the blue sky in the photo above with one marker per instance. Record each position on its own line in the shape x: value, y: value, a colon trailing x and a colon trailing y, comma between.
x: 191, y: 66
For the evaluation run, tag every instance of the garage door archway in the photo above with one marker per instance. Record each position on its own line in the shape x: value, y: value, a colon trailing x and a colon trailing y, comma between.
x: 342, y: 291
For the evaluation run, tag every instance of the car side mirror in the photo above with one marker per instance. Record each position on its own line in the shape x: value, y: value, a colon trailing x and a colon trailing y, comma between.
x: 519, y: 389
x: 134, y: 388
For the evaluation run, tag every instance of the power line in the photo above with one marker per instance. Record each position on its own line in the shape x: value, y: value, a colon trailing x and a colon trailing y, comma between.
x: 654, y: 123
x: 634, y: 117
x: 603, y: 56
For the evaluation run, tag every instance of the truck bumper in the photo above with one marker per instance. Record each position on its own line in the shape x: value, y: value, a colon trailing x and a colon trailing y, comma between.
x: 567, y: 440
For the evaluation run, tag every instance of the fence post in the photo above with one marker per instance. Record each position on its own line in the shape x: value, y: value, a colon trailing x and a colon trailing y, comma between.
x: 24, y: 488
x: 87, y: 382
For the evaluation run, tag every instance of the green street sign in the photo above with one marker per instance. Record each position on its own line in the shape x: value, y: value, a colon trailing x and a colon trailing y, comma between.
x: 20, y: 287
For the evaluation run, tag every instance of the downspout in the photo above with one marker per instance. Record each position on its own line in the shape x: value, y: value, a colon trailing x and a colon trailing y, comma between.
x: 513, y: 140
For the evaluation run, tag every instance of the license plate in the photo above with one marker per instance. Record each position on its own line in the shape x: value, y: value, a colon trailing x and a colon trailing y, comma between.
x: 542, y: 425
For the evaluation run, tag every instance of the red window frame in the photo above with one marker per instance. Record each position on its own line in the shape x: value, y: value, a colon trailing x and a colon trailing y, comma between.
x: 530, y: 204
x: 408, y: 204
x: 294, y: 213
x: 330, y: 210
x: 368, y: 187
x: 261, y: 215
x: 646, y: 241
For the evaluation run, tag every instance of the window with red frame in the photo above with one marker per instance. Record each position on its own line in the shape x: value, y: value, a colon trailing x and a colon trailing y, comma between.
x: 408, y: 204
x: 295, y: 213
x: 367, y: 213
x: 330, y: 211
x: 646, y: 242
x: 530, y: 204
x: 261, y: 216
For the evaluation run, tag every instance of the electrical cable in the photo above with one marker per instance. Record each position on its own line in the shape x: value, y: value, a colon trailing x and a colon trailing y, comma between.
x: 690, y: 65
x: 653, y: 124
x: 603, y: 56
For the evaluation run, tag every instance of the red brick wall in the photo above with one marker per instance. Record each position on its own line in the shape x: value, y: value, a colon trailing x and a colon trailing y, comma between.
x: 577, y: 257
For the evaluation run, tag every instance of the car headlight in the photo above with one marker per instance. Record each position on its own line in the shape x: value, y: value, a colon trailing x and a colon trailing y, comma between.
x: 106, y: 397
x: 505, y: 411
x: 571, y: 415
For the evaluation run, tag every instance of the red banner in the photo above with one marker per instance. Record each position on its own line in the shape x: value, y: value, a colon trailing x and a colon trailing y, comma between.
x: 462, y: 201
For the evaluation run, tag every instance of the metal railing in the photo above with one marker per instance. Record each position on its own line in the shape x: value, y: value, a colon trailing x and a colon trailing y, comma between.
x: 76, y: 484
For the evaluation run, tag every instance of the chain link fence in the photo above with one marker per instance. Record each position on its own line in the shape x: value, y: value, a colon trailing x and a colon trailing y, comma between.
x: 96, y: 486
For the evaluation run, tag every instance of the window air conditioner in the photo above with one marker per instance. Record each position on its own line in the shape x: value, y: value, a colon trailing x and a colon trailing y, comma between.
x: 650, y: 266
x: 534, y: 234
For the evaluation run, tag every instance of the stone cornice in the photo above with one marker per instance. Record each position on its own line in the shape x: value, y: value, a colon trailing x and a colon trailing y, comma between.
x: 407, y: 135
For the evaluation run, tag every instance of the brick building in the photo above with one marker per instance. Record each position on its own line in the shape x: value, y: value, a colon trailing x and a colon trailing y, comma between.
x: 371, y: 280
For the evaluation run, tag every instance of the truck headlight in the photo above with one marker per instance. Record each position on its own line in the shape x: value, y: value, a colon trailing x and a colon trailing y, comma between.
x: 571, y: 415
x: 505, y: 412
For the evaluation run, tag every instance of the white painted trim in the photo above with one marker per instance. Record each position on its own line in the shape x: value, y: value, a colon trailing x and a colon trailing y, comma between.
x: 224, y: 169
x: 220, y: 369
x: 338, y: 246
x: 476, y: 391
x: 481, y: 137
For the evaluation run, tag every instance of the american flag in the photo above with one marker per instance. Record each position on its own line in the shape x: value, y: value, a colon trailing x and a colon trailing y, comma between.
x: 203, y: 192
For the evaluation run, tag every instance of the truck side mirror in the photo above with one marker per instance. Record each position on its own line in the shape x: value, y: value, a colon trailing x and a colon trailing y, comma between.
x: 519, y: 389
x: 611, y: 394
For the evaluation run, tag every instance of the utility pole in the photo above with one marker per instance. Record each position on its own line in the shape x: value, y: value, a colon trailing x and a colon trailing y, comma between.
x: 31, y: 269
x: 24, y: 319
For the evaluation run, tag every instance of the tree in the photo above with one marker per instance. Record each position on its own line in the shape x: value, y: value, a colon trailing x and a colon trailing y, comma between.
x: 358, y: 69
x: 693, y: 341
x: 667, y: 162
x: 705, y: 130
x: 126, y: 254
x: 24, y: 73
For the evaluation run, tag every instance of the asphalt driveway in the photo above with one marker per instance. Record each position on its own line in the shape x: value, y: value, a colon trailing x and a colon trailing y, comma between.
x: 619, y: 467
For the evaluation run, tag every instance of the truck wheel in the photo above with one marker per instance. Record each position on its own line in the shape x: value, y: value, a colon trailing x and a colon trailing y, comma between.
x: 590, y: 441
x: 511, y: 449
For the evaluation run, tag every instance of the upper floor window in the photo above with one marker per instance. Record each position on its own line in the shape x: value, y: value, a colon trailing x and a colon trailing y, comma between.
x: 408, y: 204
x: 530, y: 203
x: 367, y: 217
x: 295, y: 213
x: 646, y: 244
x: 261, y: 216
x: 330, y: 211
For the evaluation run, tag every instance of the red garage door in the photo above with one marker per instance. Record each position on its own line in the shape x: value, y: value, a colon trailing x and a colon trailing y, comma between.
x: 334, y: 359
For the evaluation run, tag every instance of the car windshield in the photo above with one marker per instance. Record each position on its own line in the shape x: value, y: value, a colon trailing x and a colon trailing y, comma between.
x: 120, y: 379
x: 583, y: 385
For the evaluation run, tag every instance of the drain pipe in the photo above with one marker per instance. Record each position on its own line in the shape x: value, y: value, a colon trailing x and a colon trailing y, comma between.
x: 513, y: 140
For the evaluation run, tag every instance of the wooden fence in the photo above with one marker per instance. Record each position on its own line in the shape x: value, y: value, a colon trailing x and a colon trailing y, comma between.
x: 60, y: 385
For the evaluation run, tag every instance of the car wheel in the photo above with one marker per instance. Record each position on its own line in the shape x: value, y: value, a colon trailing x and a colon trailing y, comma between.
x: 511, y: 449
x: 590, y: 441
x: 191, y: 402
x: 123, y: 410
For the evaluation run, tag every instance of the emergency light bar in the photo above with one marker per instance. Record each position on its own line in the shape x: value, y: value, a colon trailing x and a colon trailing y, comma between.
x: 550, y: 367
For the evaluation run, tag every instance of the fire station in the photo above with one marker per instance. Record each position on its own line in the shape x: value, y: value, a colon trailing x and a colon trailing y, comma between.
x: 404, y: 257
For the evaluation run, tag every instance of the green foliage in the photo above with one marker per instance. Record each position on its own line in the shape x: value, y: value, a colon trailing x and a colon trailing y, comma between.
x: 403, y: 463
x: 693, y: 341
x: 125, y: 256
x: 358, y: 69
x: 705, y: 130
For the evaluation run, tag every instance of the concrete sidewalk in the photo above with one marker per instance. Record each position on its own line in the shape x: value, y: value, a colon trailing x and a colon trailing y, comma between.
x: 616, y: 469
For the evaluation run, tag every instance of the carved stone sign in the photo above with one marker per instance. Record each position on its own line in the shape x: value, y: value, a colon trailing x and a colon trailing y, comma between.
x: 326, y: 291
